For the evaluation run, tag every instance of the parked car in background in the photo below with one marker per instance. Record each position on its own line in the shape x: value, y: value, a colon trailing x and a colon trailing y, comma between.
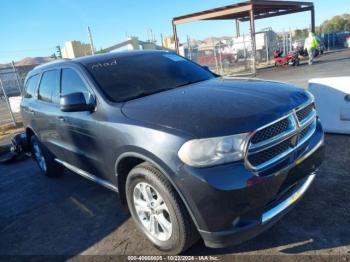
x: 191, y: 154
x: 209, y: 58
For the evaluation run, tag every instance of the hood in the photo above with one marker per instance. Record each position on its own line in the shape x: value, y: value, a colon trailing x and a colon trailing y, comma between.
x: 217, y: 107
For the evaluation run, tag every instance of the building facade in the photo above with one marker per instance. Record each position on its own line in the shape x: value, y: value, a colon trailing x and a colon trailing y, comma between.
x: 73, y: 49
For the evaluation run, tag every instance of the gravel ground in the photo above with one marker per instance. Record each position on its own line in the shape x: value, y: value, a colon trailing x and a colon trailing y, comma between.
x: 71, y: 216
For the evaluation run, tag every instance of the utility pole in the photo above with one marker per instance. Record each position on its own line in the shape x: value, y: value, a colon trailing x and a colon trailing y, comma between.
x: 91, y: 42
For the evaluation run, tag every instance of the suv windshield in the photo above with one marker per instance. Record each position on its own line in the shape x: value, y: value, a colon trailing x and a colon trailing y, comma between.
x: 132, y: 76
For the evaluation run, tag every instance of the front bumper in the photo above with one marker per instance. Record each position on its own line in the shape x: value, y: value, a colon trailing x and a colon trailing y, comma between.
x: 268, y: 218
x: 230, y: 204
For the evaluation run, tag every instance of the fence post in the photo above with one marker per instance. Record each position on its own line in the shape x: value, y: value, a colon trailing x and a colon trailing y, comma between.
x: 189, y: 49
x: 267, y: 48
x: 216, y: 59
x: 8, y: 103
x: 220, y: 58
x: 17, y: 77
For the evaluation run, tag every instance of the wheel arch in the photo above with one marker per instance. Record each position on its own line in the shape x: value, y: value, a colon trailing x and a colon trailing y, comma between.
x: 29, y: 133
x: 137, y: 158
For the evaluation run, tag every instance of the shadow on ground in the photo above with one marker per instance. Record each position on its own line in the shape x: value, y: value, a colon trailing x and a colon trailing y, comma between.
x: 71, y: 216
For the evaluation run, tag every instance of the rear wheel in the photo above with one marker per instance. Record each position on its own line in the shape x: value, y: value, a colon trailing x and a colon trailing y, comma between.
x: 44, y: 159
x: 157, y: 210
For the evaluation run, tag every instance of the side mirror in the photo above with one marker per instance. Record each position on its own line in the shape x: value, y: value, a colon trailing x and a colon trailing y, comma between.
x: 75, y: 102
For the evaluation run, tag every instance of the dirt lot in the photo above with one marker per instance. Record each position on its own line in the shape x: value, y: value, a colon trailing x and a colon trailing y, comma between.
x: 71, y: 216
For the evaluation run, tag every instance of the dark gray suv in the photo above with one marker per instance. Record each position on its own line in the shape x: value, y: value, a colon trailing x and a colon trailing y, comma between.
x: 191, y: 154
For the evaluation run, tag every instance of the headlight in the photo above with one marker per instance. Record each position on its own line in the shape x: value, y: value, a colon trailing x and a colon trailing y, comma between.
x: 214, y: 151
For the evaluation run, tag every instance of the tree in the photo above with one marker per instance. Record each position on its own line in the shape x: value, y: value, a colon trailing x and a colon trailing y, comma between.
x: 301, y: 33
x: 339, y: 23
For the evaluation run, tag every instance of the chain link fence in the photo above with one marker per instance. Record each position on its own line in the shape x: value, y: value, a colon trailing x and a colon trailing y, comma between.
x: 11, y: 84
x: 232, y: 55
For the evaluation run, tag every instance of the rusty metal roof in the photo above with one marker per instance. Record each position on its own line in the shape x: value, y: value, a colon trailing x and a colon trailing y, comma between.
x: 240, y: 11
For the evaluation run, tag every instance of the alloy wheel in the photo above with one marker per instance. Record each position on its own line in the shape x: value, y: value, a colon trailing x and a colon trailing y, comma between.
x: 152, y: 211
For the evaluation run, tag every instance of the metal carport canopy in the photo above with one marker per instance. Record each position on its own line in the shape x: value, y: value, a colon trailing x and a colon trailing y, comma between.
x: 247, y: 11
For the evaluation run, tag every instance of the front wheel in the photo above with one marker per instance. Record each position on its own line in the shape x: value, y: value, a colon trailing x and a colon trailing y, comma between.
x: 157, y: 210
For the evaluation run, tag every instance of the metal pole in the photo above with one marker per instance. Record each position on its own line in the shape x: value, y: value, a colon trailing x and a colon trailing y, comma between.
x: 252, y: 32
x: 290, y: 40
x: 313, y: 19
x: 267, y: 48
x: 238, y: 34
x: 216, y: 59
x: 189, y: 50
x: 17, y: 77
x: 8, y: 103
x: 244, y: 48
x: 91, y: 42
x: 220, y: 58
x: 176, y: 39
x: 162, y: 40
x: 284, y: 43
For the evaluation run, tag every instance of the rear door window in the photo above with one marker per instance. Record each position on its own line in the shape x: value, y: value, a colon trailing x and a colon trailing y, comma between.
x: 30, y: 88
x: 49, y: 88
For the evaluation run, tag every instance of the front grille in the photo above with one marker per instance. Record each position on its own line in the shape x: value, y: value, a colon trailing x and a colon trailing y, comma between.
x: 270, y: 153
x: 271, y: 131
x: 302, y: 114
x: 270, y: 145
x: 305, y: 131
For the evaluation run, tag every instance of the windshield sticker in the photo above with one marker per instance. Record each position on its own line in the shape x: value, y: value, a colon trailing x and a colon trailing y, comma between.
x: 104, y: 64
x: 175, y: 58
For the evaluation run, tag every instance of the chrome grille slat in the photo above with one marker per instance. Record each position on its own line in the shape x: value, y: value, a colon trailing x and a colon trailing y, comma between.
x: 285, y: 139
x: 304, y: 112
x: 269, y: 132
x: 271, y: 153
x: 277, y: 138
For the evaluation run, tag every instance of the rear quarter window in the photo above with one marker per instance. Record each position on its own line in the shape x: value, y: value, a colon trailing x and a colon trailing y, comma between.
x: 30, y: 87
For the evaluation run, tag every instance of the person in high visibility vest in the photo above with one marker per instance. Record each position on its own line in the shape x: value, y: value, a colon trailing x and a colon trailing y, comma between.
x: 311, y: 44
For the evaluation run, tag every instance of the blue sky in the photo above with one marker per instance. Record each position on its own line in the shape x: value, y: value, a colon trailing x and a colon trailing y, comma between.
x: 34, y: 28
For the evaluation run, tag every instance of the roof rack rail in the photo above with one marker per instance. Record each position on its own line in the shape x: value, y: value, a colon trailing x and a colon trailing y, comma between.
x: 53, y: 62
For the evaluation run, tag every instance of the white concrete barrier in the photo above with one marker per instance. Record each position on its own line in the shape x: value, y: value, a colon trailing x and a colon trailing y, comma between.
x: 332, y: 97
x: 15, y: 102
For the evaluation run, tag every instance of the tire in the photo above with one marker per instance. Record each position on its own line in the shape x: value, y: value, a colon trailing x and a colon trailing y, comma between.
x: 145, y: 178
x: 44, y: 158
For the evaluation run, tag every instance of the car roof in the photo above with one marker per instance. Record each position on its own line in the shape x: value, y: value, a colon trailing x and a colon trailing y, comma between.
x: 103, y: 57
x: 85, y: 60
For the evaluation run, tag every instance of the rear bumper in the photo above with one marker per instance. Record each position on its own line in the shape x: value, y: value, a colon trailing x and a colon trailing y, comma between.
x: 230, y: 204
